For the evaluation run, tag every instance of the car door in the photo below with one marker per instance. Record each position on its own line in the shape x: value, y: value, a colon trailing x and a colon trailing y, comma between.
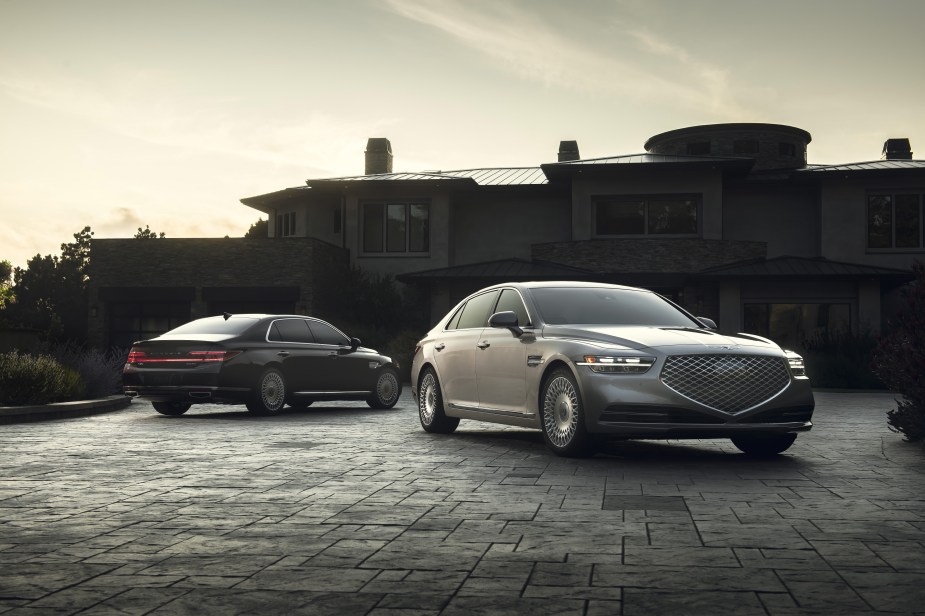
x: 501, y: 360
x: 455, y: 351
x: 297, y: 353
x: 342, y: 369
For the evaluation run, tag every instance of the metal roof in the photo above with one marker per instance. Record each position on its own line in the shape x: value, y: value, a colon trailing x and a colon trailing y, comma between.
x: 874, y: 165
x: 649, y: 159
x: 503, y: 176
x: 508, y: 269
x: 795, y: 267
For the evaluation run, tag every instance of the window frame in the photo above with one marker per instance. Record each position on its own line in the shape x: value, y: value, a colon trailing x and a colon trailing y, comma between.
x: 286, y: 224
x: 384, y: 241
x: 647, y: 199
x: 893, y: 197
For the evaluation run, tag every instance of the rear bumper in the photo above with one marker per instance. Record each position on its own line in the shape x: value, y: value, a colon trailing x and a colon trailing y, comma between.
x: 188, y: 393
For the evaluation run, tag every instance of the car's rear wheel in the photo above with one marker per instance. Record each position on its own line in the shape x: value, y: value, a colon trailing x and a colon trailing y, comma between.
x: 387, y: 390
x: 270, y: 394
x: 430, y: 406
x: 171, y: 408
x: 563, y: 415
x: 764, y: 445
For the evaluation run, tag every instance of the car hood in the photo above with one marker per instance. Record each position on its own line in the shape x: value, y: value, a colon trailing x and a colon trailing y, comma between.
x: 640, y: 338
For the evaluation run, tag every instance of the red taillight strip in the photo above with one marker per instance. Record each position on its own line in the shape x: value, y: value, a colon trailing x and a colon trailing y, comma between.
x: 196, y: 357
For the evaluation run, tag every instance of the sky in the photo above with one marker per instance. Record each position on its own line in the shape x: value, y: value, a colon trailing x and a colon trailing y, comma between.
x: 119, y: 114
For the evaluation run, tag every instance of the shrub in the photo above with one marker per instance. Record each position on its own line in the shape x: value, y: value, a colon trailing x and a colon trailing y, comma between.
x: 101, y: 371
x: 900, y: 360
x: 36, y: 379
x: 401, y: 349
x: 841, y: 359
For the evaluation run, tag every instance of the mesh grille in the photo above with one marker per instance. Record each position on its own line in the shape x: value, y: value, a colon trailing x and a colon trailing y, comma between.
x: 728, y: 383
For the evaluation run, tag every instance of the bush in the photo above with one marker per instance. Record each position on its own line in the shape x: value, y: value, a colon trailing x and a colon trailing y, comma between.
x: 401, y: 349
x: 900, y: 360
x: 36, y: 379
x: 841, y: 359
x: 101, y: 371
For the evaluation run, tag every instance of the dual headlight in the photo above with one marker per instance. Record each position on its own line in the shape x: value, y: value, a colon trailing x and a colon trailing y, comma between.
x: 617, y: 365
x: 797, y: 368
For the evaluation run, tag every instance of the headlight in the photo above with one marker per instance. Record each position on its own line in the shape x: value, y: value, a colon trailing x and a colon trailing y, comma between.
x: 797, y: 368
x: 617, y: 365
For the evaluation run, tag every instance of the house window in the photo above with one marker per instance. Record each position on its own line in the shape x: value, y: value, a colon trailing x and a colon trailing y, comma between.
x: 396, y: 227
x: 790, y: 325
x: 338, y: 221
x: 698, y: 148
x: 285, y: 224
x: 787, y: 149
x: 650, y: 215
x: 894, y: 220
x: 745, y: 146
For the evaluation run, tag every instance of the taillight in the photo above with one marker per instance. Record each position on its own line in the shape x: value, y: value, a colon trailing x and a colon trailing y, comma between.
x: 192, y: 357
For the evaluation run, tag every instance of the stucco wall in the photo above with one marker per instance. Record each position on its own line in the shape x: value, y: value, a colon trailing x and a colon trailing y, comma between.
x: 785, y: 218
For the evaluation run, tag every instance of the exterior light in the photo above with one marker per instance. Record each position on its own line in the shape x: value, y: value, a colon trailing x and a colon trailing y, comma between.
x: 617, y: 365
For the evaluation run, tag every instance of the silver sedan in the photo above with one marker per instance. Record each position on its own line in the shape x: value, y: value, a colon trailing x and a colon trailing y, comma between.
x: 581, y: 360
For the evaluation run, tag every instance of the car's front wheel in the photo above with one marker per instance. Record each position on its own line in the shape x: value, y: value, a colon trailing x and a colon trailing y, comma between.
x: 430, y: 406
x: 764, y: 445
x: 563, y: 415
x: 270, y: 394
x: 171, y: 408
x: 388, y: 388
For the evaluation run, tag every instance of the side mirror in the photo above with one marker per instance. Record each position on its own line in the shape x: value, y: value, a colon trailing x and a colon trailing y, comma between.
x: 506, y: 320
x: 708, y: 323
x: 355, y: 344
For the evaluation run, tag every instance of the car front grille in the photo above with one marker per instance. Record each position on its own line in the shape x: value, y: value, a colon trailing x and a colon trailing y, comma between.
x: 727, y: 383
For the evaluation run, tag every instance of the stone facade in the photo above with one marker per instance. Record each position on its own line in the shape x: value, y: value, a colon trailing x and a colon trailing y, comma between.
x: 207, y: 272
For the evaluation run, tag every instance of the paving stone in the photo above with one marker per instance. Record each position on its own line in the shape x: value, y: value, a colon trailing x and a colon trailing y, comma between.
x: 340, y: 510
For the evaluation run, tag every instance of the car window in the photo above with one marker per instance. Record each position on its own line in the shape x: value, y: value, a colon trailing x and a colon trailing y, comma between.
x: 325, y: 334
x: 607, y: 306
x: 454, y: 322
x: 216, y: 325
x: 475, y: 313
x: 291, y: 330
x: 510, y: 300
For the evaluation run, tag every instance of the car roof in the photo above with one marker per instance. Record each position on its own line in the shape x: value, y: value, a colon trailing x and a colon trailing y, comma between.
x: 560, y: 284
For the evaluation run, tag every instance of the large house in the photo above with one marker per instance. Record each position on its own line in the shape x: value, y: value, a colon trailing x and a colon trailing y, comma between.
x: 728, y: 220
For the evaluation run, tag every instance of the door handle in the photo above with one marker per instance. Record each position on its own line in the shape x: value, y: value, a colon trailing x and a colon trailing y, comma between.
x: 439, y: 347
x: 283, y: 353
x: 484, y: 344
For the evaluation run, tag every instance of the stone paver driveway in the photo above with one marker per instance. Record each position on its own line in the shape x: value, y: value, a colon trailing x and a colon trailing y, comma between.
x: 344, y: 510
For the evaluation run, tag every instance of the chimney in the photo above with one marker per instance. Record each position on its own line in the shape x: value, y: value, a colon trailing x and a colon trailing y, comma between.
x: 568, y: 150
x: 378, y: 156
x: 897, y: 149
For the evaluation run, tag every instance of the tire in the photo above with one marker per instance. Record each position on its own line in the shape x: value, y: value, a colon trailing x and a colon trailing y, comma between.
x: 388, y: 389
x: 301, y: 405
x: 269, y: 395
x: 171, y: 408
x: 764, y: 445
x: 430, y: 406
x: 562, y: 416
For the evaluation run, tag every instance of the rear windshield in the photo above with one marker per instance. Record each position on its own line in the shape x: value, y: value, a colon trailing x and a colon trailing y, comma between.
x: 603, y: 306
x: 215, y: 325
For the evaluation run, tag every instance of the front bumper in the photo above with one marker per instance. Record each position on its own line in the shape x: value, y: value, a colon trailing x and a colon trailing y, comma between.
x: 641, y: 406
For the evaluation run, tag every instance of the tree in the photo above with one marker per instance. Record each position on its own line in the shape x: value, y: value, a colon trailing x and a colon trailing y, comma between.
x: 6, y: 284
x: 900, y: 360
x: 258, y: 230
x: 51, y: 292
x: 148, y: 234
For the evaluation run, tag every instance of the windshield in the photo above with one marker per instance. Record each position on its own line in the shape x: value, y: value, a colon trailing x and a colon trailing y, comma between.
x: 215, y: 325
x: 603, y: 306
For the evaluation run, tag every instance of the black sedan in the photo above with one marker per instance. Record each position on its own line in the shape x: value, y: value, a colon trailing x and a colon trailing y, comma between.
x: 263, y: 361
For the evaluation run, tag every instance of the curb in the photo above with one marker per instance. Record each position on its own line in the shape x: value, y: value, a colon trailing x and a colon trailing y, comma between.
x: 62, y: 410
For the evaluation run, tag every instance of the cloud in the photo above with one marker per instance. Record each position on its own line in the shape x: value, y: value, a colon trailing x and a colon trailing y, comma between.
x: 317, y: 144
x: 536, y: 51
